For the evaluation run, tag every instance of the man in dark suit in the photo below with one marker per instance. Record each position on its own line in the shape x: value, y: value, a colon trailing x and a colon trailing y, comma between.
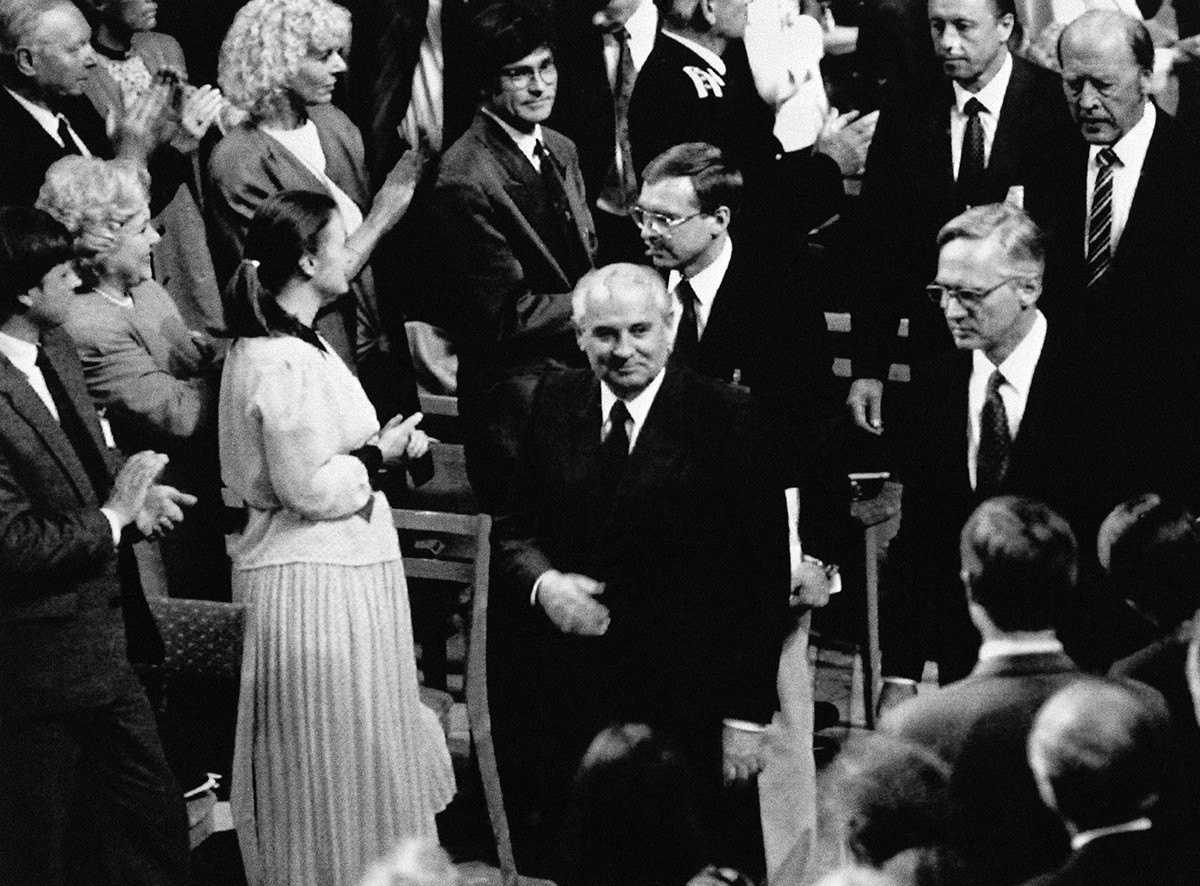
x: 516, y: 236
x: 45, y: 56
x: 1002, y: 414
x: 1101, y: 752
x: 640, y: 571
x: 962, y: 141
x: 1122, y: 262
x: 1018, y: 559
x: 85, y: 791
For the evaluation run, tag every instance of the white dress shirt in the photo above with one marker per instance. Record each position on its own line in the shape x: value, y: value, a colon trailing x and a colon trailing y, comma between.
x: 23, y: 355
x: 643, y: 28
x: 992, y: 98
x: 49, y: 120
x: 705, y: 284
x: 639, y: 408
x: 1018, y: 372
x: 526, y: 142
x: 1131, y: 155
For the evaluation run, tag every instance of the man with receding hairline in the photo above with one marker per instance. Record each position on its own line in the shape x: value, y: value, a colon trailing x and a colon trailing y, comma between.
x: 640, y: 570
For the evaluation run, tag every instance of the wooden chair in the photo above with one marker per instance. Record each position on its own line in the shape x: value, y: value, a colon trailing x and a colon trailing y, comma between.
x: 468, y: 565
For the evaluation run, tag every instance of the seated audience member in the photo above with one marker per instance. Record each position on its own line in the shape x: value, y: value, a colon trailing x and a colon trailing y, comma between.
x: 697, y: 86
x: 517, y: 236
x: 279, y: 64
x: 1154, y: 563
x: 417, y: 861
x: 1018, y: 561
x: 155, y: 380
x: 86, y: 795
x: 1100, y: 752
x: 45, y: 62
x: 131, y: 58
x: 890, y: 795
x: 1002, y: 414
x: 632, y: 817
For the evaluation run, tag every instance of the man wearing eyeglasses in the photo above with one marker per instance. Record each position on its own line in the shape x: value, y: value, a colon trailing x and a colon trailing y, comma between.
x: 516, y: 235
x: 1003, y: 414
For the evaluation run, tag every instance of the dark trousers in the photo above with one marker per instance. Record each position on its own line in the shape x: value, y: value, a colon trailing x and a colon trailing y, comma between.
x: 86, y: 797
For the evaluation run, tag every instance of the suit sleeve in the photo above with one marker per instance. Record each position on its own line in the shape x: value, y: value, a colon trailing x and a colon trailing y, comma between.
x: 235, y: 193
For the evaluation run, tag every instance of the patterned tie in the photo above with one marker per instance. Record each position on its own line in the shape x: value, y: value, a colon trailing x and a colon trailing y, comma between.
x: 1099, y: 252
x: 614, y: 452
x: 971, y: 163
x: 64, y: 134
x: 620, y: 185
x: 995, y: 441
x: 687, y: 337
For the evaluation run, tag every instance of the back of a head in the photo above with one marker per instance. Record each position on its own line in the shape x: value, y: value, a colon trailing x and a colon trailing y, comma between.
x: 891, y: 794
x: 1019, y: 562
x: 632, y: 817
x: 31, y: 244
x: 716, y: 181
x: 504, y: 32
x: 1099, y: 750
x: 1154, y: 563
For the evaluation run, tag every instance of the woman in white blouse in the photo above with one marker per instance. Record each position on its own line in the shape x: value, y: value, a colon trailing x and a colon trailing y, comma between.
x: 336, y: 759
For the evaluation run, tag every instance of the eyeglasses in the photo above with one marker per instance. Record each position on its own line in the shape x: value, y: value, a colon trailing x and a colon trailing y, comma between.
x: 522, y: 77
x: 657, y: 222
x: 969, y: 299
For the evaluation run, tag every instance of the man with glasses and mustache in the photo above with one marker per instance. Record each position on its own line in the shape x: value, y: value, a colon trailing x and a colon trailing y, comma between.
x: 1002, y: 414
x: 516, y: 236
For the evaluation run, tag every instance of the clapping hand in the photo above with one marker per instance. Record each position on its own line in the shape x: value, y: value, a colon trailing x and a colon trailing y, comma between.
x: 162, y: 510
x: 401, y: 440
x: 846, y: 138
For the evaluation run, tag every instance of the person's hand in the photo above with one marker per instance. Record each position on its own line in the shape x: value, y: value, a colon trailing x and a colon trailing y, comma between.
x: 401, y: 183
x: 812, y: 582
x: 866, y: 404
x: 132, y: 484
x: 743, y: 754
x: 162, y: 510
x: 140, y: 128
x: 97, y: 240
x: 846, y: 138
x: 569, y: 600
x: 200, y: 110
x: 394, y: 439
x: 418, y: 444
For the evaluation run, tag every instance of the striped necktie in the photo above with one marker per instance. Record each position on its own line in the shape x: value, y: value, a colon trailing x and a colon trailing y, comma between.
x: 1099, y: 247
x: 995, y: 440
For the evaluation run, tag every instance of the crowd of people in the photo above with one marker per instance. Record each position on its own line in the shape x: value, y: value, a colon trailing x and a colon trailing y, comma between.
x: 610, y: 229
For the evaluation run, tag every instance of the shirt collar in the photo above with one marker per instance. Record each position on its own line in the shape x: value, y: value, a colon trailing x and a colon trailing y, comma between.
x: 638, y: 406
x: 992, y: 95
x: 1020, y: 365
x: 1131, y: 148
x: 1084, y: 837
x: 525, y: 141
x: 713, y: 60
x: 46, y: 118
x: 1001, y: 648
x: 23, y: 354
x: 706, y: 283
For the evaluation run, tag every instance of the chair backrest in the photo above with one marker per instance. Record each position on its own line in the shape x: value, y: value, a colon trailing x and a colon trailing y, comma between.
x: 472, y: 569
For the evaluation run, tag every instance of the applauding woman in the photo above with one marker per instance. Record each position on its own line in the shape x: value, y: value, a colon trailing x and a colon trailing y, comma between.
x: 336, y: 758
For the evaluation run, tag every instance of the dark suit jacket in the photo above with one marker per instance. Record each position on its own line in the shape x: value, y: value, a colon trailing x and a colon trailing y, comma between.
x: 909, y: 193
x: 62, y: 639
x: 27, y: 150
x: 691, y: 546
x: 510, y: 263
x: 1131, y: 859
x: 979, y: 726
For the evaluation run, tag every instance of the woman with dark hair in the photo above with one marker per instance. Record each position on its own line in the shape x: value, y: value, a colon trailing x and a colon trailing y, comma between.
x: 336, y: 759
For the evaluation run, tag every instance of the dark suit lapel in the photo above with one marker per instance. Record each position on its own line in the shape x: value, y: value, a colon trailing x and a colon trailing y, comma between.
x: 29, y: 407
x: 1007, y: 144
x: 940, y: 156
x: 1145, y: 213
x: 954, y: 418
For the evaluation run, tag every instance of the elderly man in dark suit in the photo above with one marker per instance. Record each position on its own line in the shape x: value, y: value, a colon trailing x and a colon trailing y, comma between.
x: 85, y: 791
x: 939, y: 148
x: 641, y: 566
x: 1002, y: 414
x: 1101, y: 753
x: 1018, y: 560
x: 516, y: 236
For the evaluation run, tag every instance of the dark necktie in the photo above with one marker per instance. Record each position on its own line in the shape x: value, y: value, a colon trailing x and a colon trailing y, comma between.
x: 615, y: 449
x: 64, y: 133
x: 971, y: 163
x: 1099, y: 252
x: 620, y: 185
x: 687, y: 338
x: 555, y: 188
x: 77, y: 433
x: 995, y: 441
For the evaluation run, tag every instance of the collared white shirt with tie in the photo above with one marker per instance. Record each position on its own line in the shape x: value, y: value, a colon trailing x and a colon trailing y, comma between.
x: 49, y: 121
x: 992, y: 99
x: 1131, y: 151
x: 526, y: 142
x: 705, y: 284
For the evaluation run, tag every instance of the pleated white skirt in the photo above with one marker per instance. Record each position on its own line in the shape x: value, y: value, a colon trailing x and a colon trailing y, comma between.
x: 336, y: 758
